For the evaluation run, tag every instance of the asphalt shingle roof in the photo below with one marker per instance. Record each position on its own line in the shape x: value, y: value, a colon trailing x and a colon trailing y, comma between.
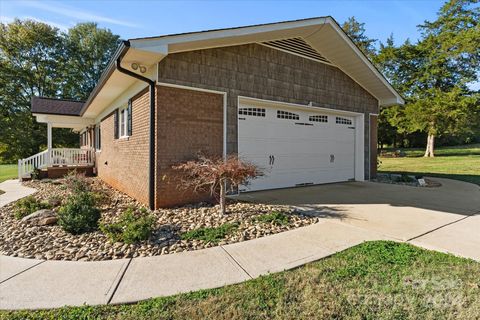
x: 56, y: 106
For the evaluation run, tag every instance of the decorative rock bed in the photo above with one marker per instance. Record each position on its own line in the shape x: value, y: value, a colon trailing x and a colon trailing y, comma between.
x: 25, y: 239
x: 405, y: 179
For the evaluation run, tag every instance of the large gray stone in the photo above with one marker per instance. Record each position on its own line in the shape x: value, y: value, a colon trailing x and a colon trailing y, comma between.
x: 41, y: 217
x: 42, y: 213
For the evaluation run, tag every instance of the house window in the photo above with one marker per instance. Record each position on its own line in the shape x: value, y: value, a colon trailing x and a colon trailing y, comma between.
x: 319, y: 118
x: 340, y: 120
x: 287, y: 115
x: 256, y: 112
x: 123, y: 122
x: 98, y: 138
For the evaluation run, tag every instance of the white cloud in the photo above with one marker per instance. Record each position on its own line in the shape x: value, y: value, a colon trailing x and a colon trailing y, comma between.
x: 76, y: 13
x: 60, y: 26
x: 5, y: 19
x: 53, y: 24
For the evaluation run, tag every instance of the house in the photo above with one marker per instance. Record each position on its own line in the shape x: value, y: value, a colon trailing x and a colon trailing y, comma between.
x: 298, y: 98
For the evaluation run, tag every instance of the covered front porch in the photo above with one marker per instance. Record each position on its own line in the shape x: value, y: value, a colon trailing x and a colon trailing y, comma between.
x: 55, y: 162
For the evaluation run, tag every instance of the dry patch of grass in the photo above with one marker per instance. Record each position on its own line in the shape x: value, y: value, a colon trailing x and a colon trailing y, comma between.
x: 374, y: 280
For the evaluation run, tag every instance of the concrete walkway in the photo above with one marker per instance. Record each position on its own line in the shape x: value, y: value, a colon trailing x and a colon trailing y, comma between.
x: 13, y: 191
x: 33, y: 284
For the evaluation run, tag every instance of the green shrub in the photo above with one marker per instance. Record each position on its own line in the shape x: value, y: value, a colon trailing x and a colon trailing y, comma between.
x: 213, y: 235
x: 79, y: 214
x: 77, y: 182
x: 28, y: 205
x: 35, y: 174
x: 131, y: 227
x: 277, y: 218
x: 405, y: 178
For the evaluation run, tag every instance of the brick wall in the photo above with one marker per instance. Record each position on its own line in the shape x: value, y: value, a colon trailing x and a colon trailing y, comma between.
x: 188, y: 122
x: 257, y: 71
x: 123, y: 162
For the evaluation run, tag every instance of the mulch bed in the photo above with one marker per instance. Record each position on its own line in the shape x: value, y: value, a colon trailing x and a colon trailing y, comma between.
x: 21, y: 239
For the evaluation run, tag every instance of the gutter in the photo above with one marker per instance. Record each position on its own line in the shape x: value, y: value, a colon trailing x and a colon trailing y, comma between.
x: 151, y: 163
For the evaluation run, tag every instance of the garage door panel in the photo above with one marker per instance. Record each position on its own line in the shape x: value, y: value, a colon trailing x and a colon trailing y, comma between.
x: 316, y: 153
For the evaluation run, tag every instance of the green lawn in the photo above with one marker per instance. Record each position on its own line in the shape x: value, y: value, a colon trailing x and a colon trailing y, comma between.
x: 460, y: 162
x: 374, y: 280
x: 8, y: 171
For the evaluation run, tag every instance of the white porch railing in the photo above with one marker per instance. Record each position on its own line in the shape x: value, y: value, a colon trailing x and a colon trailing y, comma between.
x: 56, y: 157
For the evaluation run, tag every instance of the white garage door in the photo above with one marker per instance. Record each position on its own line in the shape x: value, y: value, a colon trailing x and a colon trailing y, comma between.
x: 296, y: 147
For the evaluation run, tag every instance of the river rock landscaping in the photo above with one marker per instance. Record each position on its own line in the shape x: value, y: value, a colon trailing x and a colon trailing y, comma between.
x: 190, y: 227
x: 406, y: 179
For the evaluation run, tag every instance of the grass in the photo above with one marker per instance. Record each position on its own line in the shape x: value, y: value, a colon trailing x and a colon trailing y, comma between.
x: 374, y: 280
x: 277, y: 218
x: 8, y: 171
x: 213, y: 235
x: 459, y: 162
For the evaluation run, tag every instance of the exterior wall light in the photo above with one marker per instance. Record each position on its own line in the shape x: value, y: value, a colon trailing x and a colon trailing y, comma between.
x: 137, y: 66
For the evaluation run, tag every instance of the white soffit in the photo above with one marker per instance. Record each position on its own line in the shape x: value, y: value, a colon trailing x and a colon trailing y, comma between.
x: 322, y: 34
x: 118, y: 82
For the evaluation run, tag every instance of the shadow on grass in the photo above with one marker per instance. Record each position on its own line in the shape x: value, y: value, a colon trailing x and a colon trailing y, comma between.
x: 472, y: 178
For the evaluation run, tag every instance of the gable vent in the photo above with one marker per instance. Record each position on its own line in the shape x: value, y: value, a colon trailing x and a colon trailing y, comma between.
x: 296, y: 46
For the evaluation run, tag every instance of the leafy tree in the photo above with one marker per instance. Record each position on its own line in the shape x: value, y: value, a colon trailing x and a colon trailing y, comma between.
x: 89, y: 50
x: 450, y: 58
x: 433, y: 74
x: 356, y: 31
x: 36, y: 59
x: 31, y: 62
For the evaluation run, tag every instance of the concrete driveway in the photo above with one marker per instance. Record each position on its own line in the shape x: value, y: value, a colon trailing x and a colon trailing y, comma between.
x: 444, y: 218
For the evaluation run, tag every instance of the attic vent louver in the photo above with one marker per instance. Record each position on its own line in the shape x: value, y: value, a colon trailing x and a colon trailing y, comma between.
x: 296, y: 46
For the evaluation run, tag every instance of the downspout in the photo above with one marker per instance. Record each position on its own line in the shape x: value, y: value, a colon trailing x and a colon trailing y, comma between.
x: 151, y: 162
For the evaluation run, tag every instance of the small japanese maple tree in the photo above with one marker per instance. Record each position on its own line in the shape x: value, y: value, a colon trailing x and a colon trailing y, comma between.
x: 216, y: 174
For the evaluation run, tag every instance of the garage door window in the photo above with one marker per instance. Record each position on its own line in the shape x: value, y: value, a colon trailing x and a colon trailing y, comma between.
x: 255, y: 112
x: 340, y: 120
x: 287, y: 115
x: 318, y: 118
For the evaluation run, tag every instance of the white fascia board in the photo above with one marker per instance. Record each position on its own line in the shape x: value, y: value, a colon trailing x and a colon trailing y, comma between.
x: 164, y: 41
x: 60, y: 121
x: 391, y: 102
x: 343, y: 35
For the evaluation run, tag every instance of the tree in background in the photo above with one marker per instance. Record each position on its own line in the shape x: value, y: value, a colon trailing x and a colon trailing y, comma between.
x: 31, y: 63
x: 37, y: 59
x: 433, y: 74
x: 356, y: 31
x: 89, y: 50
x: 441, y: 101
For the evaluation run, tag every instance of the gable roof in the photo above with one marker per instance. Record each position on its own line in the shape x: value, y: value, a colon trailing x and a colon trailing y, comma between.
x: 323, y: 34
x: 45, y: 105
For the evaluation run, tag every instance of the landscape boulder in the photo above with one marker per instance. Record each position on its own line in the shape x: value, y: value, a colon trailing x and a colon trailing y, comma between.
x: 41, y: 217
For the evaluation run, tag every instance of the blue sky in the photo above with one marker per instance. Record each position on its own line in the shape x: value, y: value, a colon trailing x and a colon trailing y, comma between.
x: 132, y: 19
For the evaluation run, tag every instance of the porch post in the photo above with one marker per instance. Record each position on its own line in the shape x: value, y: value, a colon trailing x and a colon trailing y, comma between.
x: 49, y: 142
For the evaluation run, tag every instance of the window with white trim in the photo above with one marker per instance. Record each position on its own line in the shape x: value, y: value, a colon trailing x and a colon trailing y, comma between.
x: 98, y: 137
x: 256, y: 112
x: 287, y: 115
x: 340, y: 120
x: 318, y: 118
x: 123, y: 123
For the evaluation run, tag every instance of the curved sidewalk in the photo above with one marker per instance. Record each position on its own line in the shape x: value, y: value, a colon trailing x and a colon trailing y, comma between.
x: 444, y: 219
x: 14, y: 190
x: 35, y: 284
